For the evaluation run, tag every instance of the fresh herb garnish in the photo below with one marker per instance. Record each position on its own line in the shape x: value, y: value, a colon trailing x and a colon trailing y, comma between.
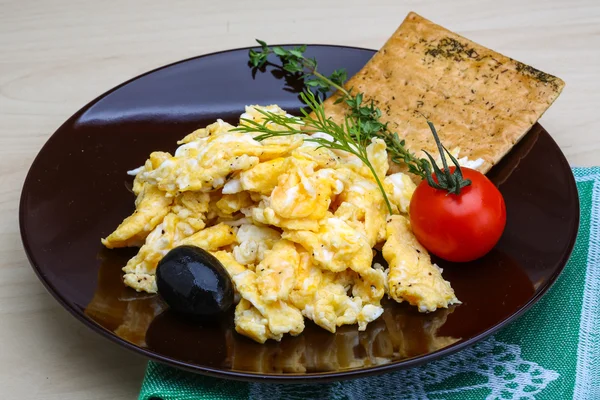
x: 362, y: 122
x: 294, y: 62
x: 366, y: 115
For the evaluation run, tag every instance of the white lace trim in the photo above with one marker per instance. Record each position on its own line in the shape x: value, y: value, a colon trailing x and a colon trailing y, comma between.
x: 498, y: 365
x: 587, y: 383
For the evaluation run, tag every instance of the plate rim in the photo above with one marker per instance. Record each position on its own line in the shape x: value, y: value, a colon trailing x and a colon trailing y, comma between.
x: 319, y: 377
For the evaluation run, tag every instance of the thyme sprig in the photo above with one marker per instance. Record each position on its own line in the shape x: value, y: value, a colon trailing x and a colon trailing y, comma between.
x: 366, y: 115
x: 294, y: 62
x: 362, y: 121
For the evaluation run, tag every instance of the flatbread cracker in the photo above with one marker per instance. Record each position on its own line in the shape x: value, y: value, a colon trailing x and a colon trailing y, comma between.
x: 479, y: 100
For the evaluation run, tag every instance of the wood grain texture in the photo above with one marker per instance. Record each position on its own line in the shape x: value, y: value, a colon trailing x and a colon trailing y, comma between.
x: 56, y: 55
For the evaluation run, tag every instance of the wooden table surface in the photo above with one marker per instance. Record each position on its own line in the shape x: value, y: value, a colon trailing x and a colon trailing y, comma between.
x: 56, y: 55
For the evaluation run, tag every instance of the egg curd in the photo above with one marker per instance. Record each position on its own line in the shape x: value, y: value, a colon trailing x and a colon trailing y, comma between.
x: 294, y: 225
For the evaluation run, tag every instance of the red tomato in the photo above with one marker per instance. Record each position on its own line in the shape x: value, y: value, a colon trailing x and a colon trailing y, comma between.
x: 460, y: 227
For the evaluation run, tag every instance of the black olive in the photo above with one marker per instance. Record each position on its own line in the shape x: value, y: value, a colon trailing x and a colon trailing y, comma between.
x: 194, y: 283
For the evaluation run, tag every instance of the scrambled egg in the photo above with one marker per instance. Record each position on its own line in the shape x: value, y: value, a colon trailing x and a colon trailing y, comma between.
x: 294, y: 225
x: 412, y: 277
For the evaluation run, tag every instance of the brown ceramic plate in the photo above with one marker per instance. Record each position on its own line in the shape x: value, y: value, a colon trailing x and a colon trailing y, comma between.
x: 77, y: 192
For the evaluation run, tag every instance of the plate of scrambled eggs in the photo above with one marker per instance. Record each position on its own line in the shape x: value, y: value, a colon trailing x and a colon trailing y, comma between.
x: 294, y: 224
x: 328, y: 283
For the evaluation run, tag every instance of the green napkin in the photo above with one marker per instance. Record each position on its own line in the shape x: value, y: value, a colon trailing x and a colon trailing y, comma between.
x: 552, y: 352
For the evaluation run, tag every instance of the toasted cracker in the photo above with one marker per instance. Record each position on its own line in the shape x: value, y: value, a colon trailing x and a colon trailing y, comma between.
x: 479, y: 100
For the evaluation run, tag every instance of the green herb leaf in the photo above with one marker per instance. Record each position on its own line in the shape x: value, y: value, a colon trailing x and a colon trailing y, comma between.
x: 262, y: 44
x: 293, y: 68
x: 296, y: 53
x: 339, y: 76
x: 280, y: 51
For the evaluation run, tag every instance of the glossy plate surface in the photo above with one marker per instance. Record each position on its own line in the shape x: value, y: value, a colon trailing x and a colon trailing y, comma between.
x: 77, y: 192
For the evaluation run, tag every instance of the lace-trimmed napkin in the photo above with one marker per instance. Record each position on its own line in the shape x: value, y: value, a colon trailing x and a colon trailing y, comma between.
x: 552, y: 352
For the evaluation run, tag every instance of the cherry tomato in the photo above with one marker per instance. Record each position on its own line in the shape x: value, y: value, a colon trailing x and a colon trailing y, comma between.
x: 460, y: 227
